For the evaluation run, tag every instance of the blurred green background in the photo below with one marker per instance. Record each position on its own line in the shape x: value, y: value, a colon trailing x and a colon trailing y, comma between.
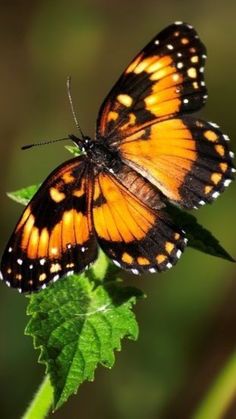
x: 187, y: 322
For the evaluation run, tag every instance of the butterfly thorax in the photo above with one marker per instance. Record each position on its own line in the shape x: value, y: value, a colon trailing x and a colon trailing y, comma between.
x: 100, y: 154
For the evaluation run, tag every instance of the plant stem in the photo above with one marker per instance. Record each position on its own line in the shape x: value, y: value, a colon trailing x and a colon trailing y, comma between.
x: 221, y: 394
x: 42, y: 401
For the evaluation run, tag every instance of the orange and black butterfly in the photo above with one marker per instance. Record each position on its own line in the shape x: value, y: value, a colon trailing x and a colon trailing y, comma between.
x: 147, y: 152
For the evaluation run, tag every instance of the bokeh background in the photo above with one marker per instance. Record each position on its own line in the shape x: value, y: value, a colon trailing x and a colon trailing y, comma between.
x: 187, y: 321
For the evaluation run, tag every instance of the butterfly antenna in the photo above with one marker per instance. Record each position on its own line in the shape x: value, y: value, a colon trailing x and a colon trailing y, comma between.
x: 25, y: 147
x: 68, y: 84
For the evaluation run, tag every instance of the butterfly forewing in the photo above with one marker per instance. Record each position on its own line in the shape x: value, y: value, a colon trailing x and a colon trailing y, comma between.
x: 54, y: 236
x: 165, y: 79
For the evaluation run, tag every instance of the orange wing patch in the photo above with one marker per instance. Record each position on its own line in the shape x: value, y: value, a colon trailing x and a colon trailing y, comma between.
x: 126, y: 217
x: 131, y: 233
x: 166, y: 155
x: 43, y: 243
x: 74, y: 228
x: 187, y: 159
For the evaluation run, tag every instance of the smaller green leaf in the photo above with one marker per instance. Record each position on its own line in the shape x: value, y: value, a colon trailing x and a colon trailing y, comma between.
x: 77, y: 326
x: 100, y: 267
x: 198, y: 237
x: 74, y: 150
x: 24, y: 195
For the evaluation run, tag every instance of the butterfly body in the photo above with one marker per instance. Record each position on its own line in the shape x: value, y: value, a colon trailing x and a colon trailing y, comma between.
x: 147, y: 152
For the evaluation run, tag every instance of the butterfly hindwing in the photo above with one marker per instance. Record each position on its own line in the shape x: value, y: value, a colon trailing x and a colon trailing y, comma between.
x: 165, y: 79
x: 54, y: 236
x: 186, y: 158
x: 133, y: 235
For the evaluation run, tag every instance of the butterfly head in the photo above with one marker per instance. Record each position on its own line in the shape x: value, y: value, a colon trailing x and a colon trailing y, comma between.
x: 84, y: 144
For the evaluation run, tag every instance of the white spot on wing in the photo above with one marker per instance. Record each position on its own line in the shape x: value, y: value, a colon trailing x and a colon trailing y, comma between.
x: 42, y: 261
x: 226, y: 137
x: 116, y: 263
x: 201, y: 202
x: 214, y: 125
x: 178, y: 253
x: 8, y: 283
x: 227, y: 182
x: 169, y: 265
x: 169, y: 46
x: 55, y: 278
x: 31, y: 266
x: 231, y: 154
x: 185, y: 100
x: 69, y: 273
x: 135, y: 271
x: 152, y: 270
x: 157, y: 41
x: 19, y: 261
x: 10, y: 249
x: 215, y: 194
x: 179, y: 65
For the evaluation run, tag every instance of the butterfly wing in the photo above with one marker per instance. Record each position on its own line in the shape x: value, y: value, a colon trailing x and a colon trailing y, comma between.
x: 186, y: 158
x: 54, y: 236
x: 165, y: 79
x: 130, y: 232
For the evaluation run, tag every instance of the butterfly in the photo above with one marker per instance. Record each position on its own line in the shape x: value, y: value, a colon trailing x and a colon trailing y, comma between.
x: 147, y: 152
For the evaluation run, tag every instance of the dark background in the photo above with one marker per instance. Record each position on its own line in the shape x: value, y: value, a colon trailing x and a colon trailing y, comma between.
x: 187, y: 323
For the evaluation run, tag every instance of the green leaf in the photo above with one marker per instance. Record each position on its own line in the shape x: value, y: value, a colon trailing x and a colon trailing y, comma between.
x: 198, y: 237
x: 77, y: 324
x: 221, y: 396
x: 73, y: 149
x: 24, y: 195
